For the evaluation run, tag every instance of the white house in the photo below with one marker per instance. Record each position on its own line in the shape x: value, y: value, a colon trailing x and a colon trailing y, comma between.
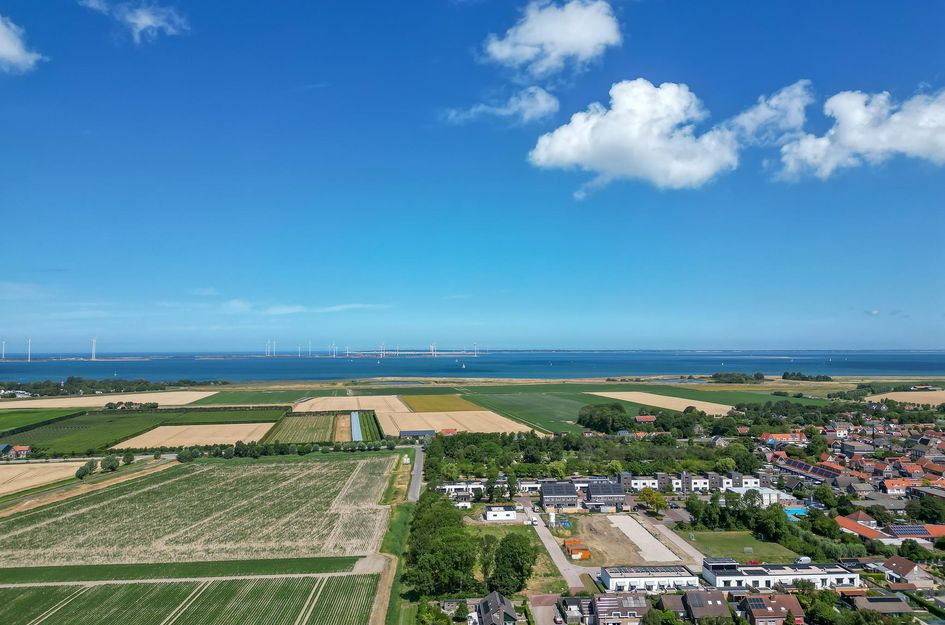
x: 500, y: 513
x: 727, y: 573
x: 647, y: 578
x: 769, y: 496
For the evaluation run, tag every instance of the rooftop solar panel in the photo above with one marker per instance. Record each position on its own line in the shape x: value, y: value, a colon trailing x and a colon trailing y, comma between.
x: 756, y: 603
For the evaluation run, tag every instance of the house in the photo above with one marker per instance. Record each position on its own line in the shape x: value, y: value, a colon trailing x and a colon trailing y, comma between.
x: 19, y: 451
x: 886, y: 605
x: 796, y: 437
x: 771, y: 609
x: 417, y: 433
x: 495, y: 609
x: 672, y: 603
x: 903, y: 570
x: 622, y: 608
x: 576, y: 610
x: 704, y: 604
x: 863, y: 519
x: 727, y: 573
x: 500, y: 513
x: 646, y: 418
x: 769, y: 496
x: 607, y: 496
x: 559, y: 497
x: 647, y: 578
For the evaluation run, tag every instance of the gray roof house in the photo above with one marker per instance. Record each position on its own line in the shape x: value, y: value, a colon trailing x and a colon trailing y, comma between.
x: 495, y: 609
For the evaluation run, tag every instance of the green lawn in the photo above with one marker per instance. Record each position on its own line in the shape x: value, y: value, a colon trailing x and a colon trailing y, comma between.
x: 87, y: 573
x: 98, y: 431
x: 13, y: 419
x: 733, y: 545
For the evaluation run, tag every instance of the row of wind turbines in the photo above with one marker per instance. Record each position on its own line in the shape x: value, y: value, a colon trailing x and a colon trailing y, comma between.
x: 382, y: 351
x: 29, y: 349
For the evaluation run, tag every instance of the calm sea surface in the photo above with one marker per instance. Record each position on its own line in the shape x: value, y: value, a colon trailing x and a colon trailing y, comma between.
x: 562, y: 364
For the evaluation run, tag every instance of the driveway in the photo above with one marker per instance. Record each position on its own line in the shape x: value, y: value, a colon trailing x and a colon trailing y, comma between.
x: 416, y: 478
x: 569, y: 571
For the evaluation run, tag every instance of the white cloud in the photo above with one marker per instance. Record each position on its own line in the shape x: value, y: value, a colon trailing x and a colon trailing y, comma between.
x: 145, y: 20
x: 285, y: 310
x: 870, y: 128
x: 530, y: 104
x: 648, y: 133
x: 777, y: 115
x: 203, y: 291
x: 15, y: 57
x: 96, y: 5
x: 549, y: 36
x: 346, y: 307
x: 236, y: 306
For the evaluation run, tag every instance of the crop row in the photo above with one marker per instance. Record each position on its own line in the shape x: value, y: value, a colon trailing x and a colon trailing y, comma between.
x: 304, y: 429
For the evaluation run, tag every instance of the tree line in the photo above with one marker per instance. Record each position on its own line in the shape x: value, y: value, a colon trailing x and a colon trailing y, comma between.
x: 75, y: 385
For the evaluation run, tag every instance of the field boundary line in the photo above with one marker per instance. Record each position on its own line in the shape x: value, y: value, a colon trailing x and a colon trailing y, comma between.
x: 334, y: 507
x: 99, y: 505
x: 309, y: 606
x: 534, y: 426
x: 45, y: 615
x: 186, y: 603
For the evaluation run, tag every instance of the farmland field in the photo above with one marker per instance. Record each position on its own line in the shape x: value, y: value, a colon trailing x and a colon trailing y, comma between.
x: 163, y: 398
x: 306, y: 428
x: 308, y: 600
x: 262, y: 397
x: 187, y: 435
x: 438, y: 403
x: 551, y: 412
x: 211, y: 510
x: 12, y: 419
x: 78, y: 434
x: 16, y: 477
x: 667, y: 402
x: 370, y: 430
x: 392, y: 423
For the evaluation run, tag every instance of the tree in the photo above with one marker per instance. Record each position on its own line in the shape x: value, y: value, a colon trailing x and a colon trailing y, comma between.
x: 128, y: 458
x: 511, y: 484
x: 556, y: 469
x: 109, y: 463
x: 491, y: 483
x: 724, y: 465
x: 652, y: 617
x: 487, y: 547
x: 824, y: 494
x: 655, y: 500
x: 614, y: 467
x: 514, y: 560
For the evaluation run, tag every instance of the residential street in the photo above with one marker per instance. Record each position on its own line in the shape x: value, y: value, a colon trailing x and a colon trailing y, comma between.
x: 569, y: 571
x: 416, y: 478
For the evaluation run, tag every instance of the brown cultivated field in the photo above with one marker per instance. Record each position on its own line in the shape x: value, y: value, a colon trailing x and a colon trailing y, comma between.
x: 183, y: 435
x: 16, y: 477
x: 665, y: 401
x: 343, y: 429
x: 464, y: 421
x: 438, y: 403
x: 163, y: 398
x: 934, y: 398
x: 377, y: 403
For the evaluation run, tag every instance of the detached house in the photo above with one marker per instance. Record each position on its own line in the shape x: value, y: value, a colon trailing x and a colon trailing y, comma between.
x: 772, y: 610
x: 622, y: 608
x: 495, y: 609
x: 904, y: 571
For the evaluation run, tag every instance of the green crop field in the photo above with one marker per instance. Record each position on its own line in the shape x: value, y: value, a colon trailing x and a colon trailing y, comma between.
x: 341, y: 600
x: 211, y: 510
x: 97, y: 431
x: 304, y: 429
x: 370, y: 429
x: 254, y: 398
x: 345, y: 600
x: 733, y: 545
x: 438, y: 403
x: 551, y: 412
x: 12, y: 419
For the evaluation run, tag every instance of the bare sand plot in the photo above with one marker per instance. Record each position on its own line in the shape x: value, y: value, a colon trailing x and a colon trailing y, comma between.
x: 16, y: 477
x: 912, y: 397
x: 462, y: 421
x: 377, y: 403
x: 651, y: 550
x: 183, y: 435
x: 665, y: 401
x: 162, y: 398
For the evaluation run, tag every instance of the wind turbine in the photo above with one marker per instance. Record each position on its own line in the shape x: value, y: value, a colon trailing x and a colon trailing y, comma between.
x: 94, y: 341
x: 310, y: 348
x: 3, y: 353
x: 29, y: 350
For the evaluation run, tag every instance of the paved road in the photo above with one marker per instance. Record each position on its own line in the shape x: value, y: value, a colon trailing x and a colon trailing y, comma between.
x: 569, y: 571
x: 416, y: 478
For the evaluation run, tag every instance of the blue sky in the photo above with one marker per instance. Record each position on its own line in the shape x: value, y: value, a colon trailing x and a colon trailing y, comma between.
x: 188, y: 176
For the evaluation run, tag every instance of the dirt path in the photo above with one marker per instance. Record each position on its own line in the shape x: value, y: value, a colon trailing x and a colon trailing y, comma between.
x: 384, y: 586
x: 42, y: 500
x: 690, y: 556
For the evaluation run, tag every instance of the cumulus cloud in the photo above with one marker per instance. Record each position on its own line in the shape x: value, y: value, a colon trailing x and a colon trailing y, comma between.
x: 773, y: 117
x: 144, y: 20
x: 648, y: 132
x: 870, y: 128
x: 549, y: 36
x: 15, y: 57
x: 346, y: 307
x: 530, y: 104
